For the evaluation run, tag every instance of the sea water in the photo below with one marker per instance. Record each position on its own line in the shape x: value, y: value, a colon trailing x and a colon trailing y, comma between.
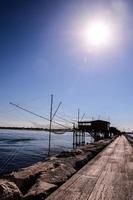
x: 22, y: 148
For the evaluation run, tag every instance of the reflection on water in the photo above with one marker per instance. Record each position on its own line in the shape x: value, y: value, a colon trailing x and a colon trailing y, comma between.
x: 19, y: 148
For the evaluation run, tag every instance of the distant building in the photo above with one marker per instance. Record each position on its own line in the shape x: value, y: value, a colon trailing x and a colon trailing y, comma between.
x: 97, y: 128
x: 114, y: 131
x: 95, y: 125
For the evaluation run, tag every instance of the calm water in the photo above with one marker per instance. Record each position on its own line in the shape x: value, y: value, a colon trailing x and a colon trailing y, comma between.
x: 22, y: 148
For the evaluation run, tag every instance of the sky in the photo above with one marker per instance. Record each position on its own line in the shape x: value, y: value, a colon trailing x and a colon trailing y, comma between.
x: 43, y: 51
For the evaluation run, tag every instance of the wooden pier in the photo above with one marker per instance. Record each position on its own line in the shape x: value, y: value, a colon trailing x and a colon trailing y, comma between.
x: 109, y: 176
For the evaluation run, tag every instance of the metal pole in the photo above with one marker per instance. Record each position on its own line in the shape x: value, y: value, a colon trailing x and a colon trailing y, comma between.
x: 56, y: 110
x: 50, y: 125
x: 37, y: 115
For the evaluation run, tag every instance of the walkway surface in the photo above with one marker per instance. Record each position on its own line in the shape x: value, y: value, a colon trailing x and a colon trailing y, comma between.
x: 109, y: 176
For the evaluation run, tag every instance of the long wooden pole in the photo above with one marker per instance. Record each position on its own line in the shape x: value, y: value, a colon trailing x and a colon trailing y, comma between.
x: 50, y: 124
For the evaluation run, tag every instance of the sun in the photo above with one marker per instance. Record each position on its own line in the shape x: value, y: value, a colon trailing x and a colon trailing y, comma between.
x: 98, y: 33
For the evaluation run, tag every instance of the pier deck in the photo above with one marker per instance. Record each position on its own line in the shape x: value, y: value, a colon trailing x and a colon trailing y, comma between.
x: 109, y: 176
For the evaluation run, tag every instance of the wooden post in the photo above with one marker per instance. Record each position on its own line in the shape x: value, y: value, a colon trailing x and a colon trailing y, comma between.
x: 50, y: 125
x: 78, y: 114
x: 73, y: 135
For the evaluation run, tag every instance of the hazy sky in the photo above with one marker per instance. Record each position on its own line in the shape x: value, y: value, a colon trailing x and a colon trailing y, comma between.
x: 42, y: 52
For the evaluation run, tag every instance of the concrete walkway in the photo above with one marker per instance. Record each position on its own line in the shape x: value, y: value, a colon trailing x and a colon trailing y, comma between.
x: 109, y: 176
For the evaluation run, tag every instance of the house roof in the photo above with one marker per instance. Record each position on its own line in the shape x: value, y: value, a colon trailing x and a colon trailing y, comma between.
x: 94, y: 121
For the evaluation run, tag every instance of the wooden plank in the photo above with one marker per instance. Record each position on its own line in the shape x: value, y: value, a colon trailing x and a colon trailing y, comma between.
x: 111, y: 185
x: 64, y: 195
x: 114, y: 182
x: 109, y: 176
x: 84, y: 184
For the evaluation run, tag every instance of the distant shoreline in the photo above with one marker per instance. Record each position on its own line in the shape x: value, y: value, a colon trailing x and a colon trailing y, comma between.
x: 33, y: 129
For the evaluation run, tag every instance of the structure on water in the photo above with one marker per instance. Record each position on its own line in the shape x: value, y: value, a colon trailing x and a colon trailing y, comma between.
x: 98, y: 129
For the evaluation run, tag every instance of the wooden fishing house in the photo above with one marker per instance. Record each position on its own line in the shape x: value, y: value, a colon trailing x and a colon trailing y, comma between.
x: 98, y: 129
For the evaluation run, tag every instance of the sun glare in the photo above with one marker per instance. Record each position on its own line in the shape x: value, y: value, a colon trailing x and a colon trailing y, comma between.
x: 98, y: 34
